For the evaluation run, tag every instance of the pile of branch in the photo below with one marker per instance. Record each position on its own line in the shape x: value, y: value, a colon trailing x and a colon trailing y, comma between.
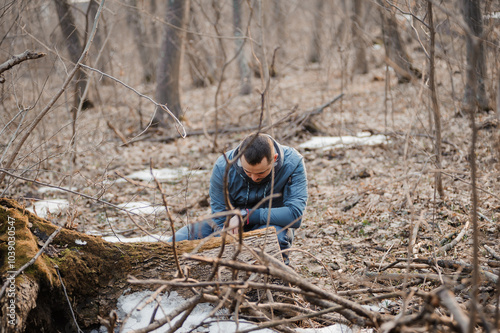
x: 424, y: 295
x: 81, y: 276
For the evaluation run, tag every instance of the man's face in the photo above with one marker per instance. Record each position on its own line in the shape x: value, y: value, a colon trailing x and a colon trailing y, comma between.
x: 258, y: 171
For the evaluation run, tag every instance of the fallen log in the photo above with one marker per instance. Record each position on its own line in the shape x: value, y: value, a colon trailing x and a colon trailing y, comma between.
x: 88, y: 272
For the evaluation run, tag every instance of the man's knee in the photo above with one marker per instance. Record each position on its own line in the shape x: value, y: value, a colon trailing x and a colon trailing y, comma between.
x: 197, y: 230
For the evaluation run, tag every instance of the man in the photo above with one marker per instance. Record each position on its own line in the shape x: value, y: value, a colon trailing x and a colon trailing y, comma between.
x: 250, y: 180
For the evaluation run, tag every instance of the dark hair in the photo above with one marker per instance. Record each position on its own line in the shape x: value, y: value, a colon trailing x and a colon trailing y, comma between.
x: 256, y: 148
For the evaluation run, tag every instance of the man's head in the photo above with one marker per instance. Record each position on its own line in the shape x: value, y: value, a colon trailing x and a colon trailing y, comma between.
x: 258, y: 157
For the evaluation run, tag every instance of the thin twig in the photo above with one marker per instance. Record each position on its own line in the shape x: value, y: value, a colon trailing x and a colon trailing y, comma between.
x: 29, y: 263
x: 4, y: 171
x: 67, y: 298
x: 164, y: 199
x: 161, y: 106
x: 54, y: 99
x: 455, y: 241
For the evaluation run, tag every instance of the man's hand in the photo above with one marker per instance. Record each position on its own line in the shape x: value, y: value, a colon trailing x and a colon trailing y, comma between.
x: 234, y: 225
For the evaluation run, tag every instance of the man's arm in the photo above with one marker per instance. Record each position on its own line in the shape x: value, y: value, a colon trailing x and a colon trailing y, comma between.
x: 216, y: 192
x: 294, y: 200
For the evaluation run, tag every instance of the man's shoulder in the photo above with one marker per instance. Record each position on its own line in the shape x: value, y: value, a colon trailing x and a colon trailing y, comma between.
x: 291, y: 155
x: 221, y: 162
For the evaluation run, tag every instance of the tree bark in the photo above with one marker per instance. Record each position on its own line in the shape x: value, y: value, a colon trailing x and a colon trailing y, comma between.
x: 93, y: 272
x: 474, y: 20
x: 244, y: 69
x: 142, y: 40
x: 73, y: 45
x: 168, y: 73
x: 98, y: 45
x: 394, y: 46
x: 435, y: 104
x: 315, y: 51
x: 360, y: 63
x: 279, y: 14
x: 201, y: 62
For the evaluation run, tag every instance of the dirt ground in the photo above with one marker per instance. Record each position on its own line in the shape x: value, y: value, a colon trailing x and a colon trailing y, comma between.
x: 365, y: 202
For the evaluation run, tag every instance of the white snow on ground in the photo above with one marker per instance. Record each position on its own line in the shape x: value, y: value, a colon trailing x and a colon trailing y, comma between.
x: 162, y: 175
x: 141, y: 239
x: 136, y: 310
x: 361, y: 139
x: 142, y: 208
x: 328, y: 329
x: 43, y: 208
x: 139, y: 307
x: 130, y: 303
x: 48, y: 189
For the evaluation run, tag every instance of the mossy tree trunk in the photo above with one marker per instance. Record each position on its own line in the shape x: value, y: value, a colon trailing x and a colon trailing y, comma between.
x: 93, y: 271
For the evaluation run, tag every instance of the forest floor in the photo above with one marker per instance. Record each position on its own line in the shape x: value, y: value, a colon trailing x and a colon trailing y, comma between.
x: 366, y: 205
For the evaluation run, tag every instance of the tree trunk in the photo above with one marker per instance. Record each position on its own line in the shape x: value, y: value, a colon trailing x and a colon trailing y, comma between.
x: 201, y: 62
x: 168, y: 73
x: 435, y: 104
x: 141, y: 40
x: 73, y: 45
x: 360, y: 63
x: 244, y: 70
x: 98, y: 45
x: 279, y: 13
x: 473, y: 18
x: 315, y: 52
x: 394, y: 47
x: 93, y: 272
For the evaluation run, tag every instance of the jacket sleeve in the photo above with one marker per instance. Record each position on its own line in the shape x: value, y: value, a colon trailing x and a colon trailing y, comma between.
x: 294, y: 200
x: 216, y: 192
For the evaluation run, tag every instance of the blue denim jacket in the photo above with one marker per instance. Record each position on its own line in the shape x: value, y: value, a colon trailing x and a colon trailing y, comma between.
x: 289, y: 180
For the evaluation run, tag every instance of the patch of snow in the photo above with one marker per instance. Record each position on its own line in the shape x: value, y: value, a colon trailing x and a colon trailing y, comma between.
x: 140, y: 239
x: 47, y: 189
x: 494, y: 15
x: 361, y: 139
x: 381, y: 307
x: 80, y: 242
x: 130, y: 304
x: 142, y: 208
x: 136, y: 311
x: 329, y: 329
x: 43, y: 208
x: 162, y: 175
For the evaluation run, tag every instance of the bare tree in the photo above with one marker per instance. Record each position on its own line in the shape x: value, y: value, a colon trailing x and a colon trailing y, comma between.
x: 279, y: 14
x: 168, y: 72
x: 73, y: 45
x: 396, y: 54
x: 435, y: 105
x: 244, y: 70
x: 141, y: 39
x: 472, y: 16
x: 360, y: 65
x: 315, y: 51
x: 201, y: 61
x: 98, y: 42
